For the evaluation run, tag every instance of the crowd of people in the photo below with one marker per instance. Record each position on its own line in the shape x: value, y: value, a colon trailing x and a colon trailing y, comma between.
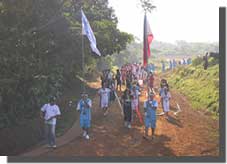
x: 173, y: 63
x: 134, y: 78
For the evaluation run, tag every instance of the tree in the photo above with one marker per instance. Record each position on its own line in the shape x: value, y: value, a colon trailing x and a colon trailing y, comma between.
x: 40, y: 44
x: 147, y: 5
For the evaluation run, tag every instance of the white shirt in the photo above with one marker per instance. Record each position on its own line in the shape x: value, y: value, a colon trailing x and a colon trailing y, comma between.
x: 104, y: 92
x: 110, y: 75
x: 50, y: 111
x: 165, y: 96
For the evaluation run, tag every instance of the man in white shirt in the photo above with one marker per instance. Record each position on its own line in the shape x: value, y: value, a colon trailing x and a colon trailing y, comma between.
x: 50, y: 112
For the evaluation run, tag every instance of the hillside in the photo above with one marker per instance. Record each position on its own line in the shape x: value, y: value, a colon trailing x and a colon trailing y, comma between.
x: 200, y: 86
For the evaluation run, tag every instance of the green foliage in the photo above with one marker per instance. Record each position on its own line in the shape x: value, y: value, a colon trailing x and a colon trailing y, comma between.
x: 197, y: 61
x: 40, y: 44
x: 161, y: 51
x: 132, y: 54
x: 199, y: 85
x: 147, y: 5
x: 182, y: 49
x: 213, y: 61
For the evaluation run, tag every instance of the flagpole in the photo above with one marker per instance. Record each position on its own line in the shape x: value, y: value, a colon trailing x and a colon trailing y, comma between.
x: 83, y: 74
x: 145, y: 41
x: 145, y: 50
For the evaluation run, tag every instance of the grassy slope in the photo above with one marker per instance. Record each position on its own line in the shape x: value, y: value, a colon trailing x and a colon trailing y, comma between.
x: 69, y: 114
x: 199, y: 85
x: 30, y: 132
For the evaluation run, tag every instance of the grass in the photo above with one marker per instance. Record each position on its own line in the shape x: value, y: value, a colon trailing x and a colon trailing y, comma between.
x: 66, y: 121
x: 69, y: 114
x: 199, y: 85
x: 30, y: 132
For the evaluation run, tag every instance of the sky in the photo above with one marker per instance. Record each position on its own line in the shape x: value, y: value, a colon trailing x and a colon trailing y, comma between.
x: 172, y: 20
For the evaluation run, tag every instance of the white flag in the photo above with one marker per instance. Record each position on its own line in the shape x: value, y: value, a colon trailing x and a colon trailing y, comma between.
x: 86, y: 30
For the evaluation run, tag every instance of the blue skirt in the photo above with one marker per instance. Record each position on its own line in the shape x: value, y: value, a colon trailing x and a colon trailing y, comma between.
x: 85, y: 121
x: 150, y: 119
x: 150, y: 123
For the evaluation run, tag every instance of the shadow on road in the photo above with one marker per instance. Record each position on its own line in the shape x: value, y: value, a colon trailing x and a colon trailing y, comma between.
x: 175, y: 122
x: 158, y: 147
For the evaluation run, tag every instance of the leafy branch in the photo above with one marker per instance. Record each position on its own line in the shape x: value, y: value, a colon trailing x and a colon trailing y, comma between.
x: 147, y: 5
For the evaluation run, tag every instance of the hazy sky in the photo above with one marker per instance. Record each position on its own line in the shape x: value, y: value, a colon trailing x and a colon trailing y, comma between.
x: 190, y: 20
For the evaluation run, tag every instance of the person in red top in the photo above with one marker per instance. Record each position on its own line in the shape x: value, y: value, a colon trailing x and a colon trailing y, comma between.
x: 151, y: 80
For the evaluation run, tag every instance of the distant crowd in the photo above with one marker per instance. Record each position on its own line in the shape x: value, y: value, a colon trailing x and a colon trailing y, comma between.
x: 174, y: 63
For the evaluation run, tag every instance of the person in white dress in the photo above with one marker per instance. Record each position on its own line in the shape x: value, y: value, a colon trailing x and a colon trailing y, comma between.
x: 165, y: 96
x: 104, y: 94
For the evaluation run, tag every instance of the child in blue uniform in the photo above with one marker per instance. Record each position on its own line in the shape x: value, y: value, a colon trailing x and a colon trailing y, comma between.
x: 150, y: 107
x: 84, y: 107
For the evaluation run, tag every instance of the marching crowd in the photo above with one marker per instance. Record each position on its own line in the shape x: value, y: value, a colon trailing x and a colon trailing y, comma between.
x: 134, y: 77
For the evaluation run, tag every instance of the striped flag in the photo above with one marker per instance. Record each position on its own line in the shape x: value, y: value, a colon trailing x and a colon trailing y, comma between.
x: 86, y: 30
x: 147, y: 39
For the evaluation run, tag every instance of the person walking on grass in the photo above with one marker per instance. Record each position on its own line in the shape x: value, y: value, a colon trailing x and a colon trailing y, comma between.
x: 165, y: 96
x: 150, y: 107
x: 49, y: 112
x: 104, y: 94
x: 127, y: 107
x: 84, y: 107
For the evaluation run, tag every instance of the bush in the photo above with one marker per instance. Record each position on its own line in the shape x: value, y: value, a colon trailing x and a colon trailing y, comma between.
x: 199, y: 85
x: 197, y: 61
x: 213, y: 61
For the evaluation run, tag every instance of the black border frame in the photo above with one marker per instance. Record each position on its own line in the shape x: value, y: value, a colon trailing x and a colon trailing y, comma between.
x: 222, y: 123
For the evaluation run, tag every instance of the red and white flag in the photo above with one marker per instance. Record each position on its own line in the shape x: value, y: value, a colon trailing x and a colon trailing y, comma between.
x: 147, y: 39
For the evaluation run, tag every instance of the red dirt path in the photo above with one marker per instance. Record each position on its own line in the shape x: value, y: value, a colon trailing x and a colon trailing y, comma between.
x: 190, y: 133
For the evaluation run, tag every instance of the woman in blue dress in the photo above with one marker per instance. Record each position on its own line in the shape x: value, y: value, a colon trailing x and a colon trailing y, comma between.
x: 84, y: 107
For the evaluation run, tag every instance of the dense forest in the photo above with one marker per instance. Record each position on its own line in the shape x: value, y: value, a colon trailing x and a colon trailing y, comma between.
x: 40, y: 47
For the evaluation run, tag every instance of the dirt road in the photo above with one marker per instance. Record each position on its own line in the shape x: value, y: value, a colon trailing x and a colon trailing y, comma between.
x: 190, y: 133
